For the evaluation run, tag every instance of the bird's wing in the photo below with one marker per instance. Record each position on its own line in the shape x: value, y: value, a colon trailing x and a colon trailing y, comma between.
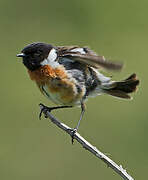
x: 88, y: 57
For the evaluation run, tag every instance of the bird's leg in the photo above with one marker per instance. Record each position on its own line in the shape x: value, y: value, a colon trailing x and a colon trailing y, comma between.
x: 81, y: 116
x: 46, y: 108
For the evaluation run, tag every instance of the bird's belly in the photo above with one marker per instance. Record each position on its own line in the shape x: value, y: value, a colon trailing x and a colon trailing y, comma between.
x: 50, y: 95
x: 63, y: 93
x: 59, y: 85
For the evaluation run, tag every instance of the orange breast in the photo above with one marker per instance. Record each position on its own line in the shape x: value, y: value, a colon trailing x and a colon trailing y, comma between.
x: 46, y: 73
x: 57, y: 83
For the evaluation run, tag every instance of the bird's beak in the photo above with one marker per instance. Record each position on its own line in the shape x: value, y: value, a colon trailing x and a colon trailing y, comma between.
x: 20, y: 55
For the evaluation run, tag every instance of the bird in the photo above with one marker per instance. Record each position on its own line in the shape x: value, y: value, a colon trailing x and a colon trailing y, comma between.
x: 69, y: 75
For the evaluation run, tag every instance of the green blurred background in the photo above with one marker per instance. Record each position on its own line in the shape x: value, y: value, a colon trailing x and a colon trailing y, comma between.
x: 34, y: 150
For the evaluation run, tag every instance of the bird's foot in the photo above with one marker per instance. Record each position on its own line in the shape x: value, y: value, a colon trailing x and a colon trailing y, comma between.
x: 73, y: 131
x: 44, y: 110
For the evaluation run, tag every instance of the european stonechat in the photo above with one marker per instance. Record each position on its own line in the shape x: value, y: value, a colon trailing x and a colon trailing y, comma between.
x: 68, y: 75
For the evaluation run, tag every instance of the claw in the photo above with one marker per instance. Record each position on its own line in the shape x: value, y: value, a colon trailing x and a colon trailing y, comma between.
x: 40, y: 115
x: 44, y: 110
x: 72, y: 135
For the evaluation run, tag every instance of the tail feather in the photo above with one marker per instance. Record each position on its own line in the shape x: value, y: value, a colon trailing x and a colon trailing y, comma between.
x: 123, y: 88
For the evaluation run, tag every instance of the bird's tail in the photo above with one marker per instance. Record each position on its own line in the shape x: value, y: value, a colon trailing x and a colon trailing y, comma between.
x: 122, y: 89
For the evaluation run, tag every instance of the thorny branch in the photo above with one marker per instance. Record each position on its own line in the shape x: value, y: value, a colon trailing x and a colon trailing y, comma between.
x: 110, y: 163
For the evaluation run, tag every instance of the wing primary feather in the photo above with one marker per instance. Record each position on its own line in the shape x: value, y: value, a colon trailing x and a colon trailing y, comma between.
x: 89, y: 58
x: 95, y: 61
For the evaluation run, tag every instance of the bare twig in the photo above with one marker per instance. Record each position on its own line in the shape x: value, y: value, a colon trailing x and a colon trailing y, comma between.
x: 118, y: 169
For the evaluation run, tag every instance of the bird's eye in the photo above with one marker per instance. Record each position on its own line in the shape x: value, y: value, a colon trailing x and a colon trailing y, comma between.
x: 37, y: 54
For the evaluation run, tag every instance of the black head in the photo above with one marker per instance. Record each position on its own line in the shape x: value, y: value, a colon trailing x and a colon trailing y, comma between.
x: 34, y: 54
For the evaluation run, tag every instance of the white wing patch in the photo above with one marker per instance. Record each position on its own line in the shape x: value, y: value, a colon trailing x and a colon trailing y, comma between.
x: 101, y: 77
x: 80, y: 50
x: 51, y: 59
